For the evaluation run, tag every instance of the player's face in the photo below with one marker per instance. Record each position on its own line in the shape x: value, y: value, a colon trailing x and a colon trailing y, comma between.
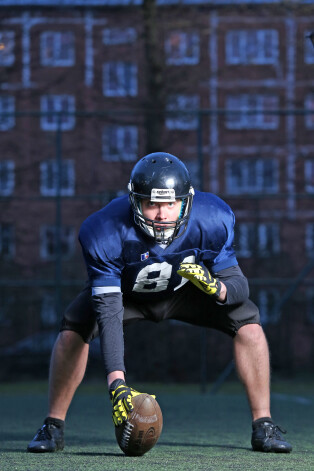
x: 161, y: 212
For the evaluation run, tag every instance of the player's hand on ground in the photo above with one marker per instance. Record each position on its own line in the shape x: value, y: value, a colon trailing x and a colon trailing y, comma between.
x: 200, y: 277
x: 121, y: 400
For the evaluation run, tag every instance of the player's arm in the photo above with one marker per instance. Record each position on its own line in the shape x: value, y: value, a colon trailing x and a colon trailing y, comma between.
x: 228, y: 286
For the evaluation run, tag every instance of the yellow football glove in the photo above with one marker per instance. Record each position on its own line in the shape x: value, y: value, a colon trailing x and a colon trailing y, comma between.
x: 200, y: 277
x: 121, y: 400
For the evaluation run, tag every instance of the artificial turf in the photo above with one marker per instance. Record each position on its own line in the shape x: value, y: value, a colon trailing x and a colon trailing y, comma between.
x: 201, y: 431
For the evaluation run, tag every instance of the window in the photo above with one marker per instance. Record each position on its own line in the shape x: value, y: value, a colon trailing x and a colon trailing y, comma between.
x: 182, y: 48
x: 57, y: 48
x: 309, y: 106
x: 309, y: 175
x: 261, y: 239
x: 252, y: 47
x: 7, y: 177
x: 308, y: 49
x: 7, y: 105
x: 193, y: 167
x: 114, y: 36
x: 255, y: 108
x: 58, y: 107
x: 48, y: 311
x: 120, y: 79
x: 252, y: 176
x: 49, y: 245
x: 7, y: 243
x: 120, y: 143
x: 183, y: 119
x: 268, y: 303
x: 7, y: 42
x: 49, y: 178
x: 244, y: 239
x: 309, y: 239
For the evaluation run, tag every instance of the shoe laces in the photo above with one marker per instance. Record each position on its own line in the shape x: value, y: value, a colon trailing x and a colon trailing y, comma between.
x: 43, y: 433
x: 276, y: 431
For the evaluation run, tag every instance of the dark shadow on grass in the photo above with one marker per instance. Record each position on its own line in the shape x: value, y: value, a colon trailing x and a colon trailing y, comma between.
x: 204, y: 445
x: 93, y: 453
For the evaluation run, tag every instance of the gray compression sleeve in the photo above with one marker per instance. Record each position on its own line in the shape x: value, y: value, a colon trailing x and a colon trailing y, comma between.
x: 109, y: 310
x: 236, y: 284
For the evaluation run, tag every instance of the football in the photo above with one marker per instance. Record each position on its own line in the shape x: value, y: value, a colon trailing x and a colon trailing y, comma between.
x: 141, y: 431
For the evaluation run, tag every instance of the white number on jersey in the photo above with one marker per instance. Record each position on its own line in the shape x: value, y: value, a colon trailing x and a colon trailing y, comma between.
x: 146, y: 281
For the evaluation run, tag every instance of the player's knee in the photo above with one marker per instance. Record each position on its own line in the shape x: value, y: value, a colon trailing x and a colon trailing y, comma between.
x: 70, y: 340
x: 252, y: 333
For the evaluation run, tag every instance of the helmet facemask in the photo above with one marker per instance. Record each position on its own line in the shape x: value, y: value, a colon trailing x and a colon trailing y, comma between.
x: 166, y: 231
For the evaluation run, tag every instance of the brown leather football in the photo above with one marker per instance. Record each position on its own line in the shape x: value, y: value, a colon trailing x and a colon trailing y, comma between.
x: 141, y: 431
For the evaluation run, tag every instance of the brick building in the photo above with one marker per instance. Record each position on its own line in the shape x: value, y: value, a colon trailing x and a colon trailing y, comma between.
x: 234, y: 101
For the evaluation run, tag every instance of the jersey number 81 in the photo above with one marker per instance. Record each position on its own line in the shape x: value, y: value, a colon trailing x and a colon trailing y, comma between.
x: 145, y: 282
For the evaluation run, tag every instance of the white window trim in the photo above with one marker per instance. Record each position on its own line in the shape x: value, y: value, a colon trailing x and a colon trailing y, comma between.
x: 308, y: 49
x: 246, y: 187
x: 184, y: 120
x: 123, y: 87
x: 68, y: 122
x: 309, y: 118
x: 254, y: 120
x: 48, y: 313
x: 7, y: 36
x: 52, y: 166
x: 7, y: 105
x: 268, y: 317
x: 184, y: 59
x: 243, y: 230
x: 308, y: 170
x: 114, y: 36
x: 57, y: 42
x: 122, y: 155
x: 244, y: 39
x: 44, y: 254
x: 10, y: 184
x: 309, y: 239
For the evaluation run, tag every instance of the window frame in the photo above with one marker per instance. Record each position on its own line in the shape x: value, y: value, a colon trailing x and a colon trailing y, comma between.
x: 51, y: 166
x: 120, y: 138
x: 125, y: 73
x: 50, y: 122
x: 183, y: 58
x: 7, y: 105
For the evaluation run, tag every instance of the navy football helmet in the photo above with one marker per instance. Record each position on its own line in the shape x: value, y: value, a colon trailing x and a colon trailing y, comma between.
x: 161, y: 177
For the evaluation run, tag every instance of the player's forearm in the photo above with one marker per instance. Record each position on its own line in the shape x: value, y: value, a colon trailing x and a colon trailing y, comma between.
x: 236, y: 285
x: 108, y: 309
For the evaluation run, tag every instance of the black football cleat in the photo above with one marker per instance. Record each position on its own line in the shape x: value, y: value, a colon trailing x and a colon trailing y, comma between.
x: 268, y: 437
x: 49, y: 438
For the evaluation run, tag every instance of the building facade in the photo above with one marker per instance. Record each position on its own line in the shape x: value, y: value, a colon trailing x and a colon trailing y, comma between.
x: 230, y: 90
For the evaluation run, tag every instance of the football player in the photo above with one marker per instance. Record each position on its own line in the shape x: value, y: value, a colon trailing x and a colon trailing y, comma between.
x: 169, y: 251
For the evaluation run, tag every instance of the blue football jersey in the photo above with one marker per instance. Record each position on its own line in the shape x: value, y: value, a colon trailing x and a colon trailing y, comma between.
x: 119, y: 255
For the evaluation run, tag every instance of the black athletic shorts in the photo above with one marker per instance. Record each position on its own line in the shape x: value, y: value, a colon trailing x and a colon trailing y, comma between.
x: 187, y: 304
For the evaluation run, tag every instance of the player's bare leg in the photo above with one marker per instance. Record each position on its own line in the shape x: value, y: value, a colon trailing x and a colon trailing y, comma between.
x: 67, y: 369
x: 252, y: 362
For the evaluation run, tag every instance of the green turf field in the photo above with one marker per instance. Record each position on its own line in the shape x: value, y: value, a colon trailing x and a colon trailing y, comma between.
x: 201, y: 431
